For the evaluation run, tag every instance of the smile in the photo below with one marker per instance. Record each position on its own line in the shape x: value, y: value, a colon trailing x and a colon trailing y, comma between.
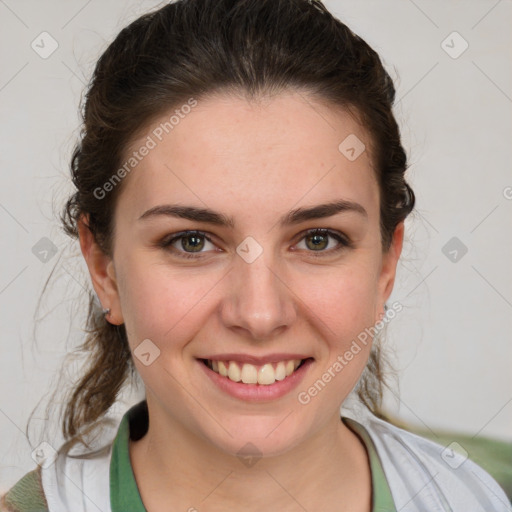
x: 247, y: 373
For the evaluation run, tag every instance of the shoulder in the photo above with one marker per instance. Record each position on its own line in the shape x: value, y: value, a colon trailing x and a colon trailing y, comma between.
x: 423, y: 473
x: 27, y: 495
x: 76, y: 477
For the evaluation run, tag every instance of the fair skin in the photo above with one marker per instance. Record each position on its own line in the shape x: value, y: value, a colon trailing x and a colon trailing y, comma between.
x: 253, y: 162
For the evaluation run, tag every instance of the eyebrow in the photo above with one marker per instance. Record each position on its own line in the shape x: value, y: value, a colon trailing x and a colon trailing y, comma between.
x: 292, y: 217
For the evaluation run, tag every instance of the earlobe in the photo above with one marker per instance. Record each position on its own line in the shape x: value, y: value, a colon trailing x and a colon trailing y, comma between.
x: 102, y: 272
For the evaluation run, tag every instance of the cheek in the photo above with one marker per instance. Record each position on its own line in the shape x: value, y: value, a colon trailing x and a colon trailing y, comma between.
x: 344, y: 300
x: 160, y: 303
x: 342, y: 311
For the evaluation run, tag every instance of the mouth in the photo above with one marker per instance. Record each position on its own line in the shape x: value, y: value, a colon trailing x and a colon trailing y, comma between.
x: 252, y: 374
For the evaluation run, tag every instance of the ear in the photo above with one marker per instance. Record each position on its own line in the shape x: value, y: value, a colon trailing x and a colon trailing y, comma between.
x: 388, y: 269
x: 102, y: 271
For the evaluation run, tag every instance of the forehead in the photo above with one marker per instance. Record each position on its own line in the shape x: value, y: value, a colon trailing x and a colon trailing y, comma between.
x: 269, y: 155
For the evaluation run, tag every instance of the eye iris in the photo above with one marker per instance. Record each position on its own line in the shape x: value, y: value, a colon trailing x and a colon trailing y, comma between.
x: 196, y: 245
x: 319, y: 241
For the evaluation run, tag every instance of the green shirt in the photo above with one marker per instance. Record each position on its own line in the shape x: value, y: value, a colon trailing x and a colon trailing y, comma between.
x: 124, y: 494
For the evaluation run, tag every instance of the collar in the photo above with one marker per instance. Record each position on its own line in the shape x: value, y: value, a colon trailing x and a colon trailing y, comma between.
x: 124, y: 494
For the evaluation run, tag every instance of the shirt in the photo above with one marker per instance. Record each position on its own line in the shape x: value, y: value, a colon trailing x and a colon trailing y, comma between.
x: 124, y: 494
x: 409, y: 474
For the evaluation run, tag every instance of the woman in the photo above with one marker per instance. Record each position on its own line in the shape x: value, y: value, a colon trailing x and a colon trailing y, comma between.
x: 240, y: 206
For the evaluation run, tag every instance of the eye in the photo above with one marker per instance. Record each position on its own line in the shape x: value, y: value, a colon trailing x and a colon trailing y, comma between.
x: 193, y: 243
x: 186, y: 243
x: 317, y: 241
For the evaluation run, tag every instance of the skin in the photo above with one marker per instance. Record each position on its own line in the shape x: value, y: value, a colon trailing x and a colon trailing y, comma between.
x: 253, y: 161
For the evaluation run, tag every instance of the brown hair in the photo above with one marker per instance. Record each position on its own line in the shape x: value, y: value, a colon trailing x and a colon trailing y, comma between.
x: 192, y: 48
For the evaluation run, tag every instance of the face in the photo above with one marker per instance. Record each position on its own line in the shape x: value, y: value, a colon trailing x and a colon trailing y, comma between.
x: 238, y: 272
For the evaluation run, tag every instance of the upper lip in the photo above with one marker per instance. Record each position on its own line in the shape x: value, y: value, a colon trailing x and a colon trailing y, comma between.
x: 255, y: 360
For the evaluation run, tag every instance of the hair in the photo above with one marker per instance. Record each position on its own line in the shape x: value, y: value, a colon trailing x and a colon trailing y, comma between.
x: 196, y: 48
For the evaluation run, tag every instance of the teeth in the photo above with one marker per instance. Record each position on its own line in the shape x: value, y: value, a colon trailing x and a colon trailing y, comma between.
x: 222, y: 369
x: 250, y: 374
x: 280, y: 371
x: 234, y: 372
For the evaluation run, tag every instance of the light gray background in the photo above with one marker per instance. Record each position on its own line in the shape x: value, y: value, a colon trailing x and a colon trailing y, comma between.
x: 452, y: 341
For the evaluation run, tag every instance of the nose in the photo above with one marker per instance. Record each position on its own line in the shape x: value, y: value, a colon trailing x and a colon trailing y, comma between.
x: 259, y: 303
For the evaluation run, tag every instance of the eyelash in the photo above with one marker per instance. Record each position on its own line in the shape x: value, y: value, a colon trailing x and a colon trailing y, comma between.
x: 344, y: 242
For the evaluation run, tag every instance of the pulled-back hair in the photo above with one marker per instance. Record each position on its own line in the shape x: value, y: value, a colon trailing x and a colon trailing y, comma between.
x: 194, y: 48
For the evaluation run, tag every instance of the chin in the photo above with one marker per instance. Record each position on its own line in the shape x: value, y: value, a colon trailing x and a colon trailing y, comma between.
x: 253, y: 436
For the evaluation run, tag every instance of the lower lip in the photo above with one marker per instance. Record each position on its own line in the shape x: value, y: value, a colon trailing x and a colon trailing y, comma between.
x: 257, y: 392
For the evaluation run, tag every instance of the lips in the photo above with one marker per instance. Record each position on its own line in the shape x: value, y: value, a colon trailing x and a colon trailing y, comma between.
x: 269, y: 388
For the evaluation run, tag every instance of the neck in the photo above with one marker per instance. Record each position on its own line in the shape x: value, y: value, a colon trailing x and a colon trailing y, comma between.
x: 173, y: 465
